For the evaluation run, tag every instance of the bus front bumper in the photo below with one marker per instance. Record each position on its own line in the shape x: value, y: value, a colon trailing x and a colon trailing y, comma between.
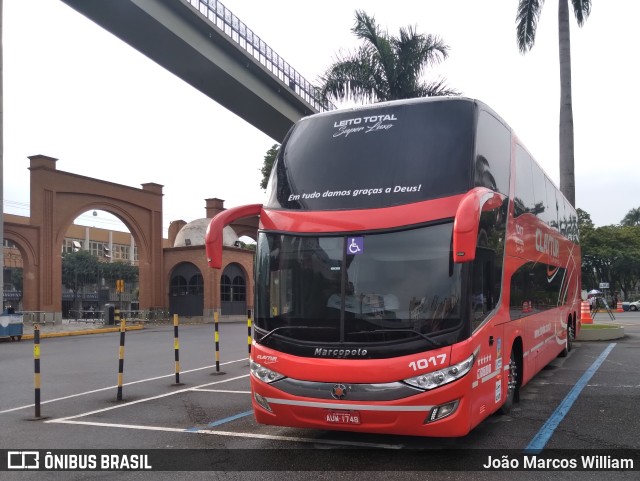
x: 414, y: 416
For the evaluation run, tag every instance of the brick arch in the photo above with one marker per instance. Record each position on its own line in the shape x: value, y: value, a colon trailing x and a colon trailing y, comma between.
x: 242, y: 231
x: 242, y: 264
x: 192, y: 255
x: 57, y: 198
x: 230, y: 306
x: 245, y: 263
x: 127, y: 218
x: 195, y: 256
x: 184, y: 306
x: 239, y: 265
x: 25, y: 238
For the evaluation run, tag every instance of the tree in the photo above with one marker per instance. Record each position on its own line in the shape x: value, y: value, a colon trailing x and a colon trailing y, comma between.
x: 81, y: 269
x: 584, y: 220
x: 526, y: 25
x: 611, y: 254
x: 78, y: 270
x: 269, y: 159
x: 249, y: 246
x: 386, y: 67
x: 112, y: 271
x: 14, y: 274
x: 632, y: 218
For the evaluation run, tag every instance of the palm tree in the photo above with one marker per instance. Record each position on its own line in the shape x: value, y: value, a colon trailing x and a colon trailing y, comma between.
x: 632, y: 218
x: 386, y: 67
x: 526, y: 24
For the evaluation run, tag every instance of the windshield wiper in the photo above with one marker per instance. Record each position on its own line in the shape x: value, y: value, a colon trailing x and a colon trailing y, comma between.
x: 268, y: 334
x: 431, y: 341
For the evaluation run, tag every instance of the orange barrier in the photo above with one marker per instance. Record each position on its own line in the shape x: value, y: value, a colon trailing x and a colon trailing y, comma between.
x: 585, y: 314
x: 619, y: 308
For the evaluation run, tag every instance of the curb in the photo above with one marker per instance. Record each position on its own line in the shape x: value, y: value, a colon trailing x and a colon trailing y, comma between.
x: 604, y: 334
x: 81, y: 333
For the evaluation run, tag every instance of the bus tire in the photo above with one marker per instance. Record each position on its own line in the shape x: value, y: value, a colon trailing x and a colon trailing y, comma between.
x: 513, y: 376
x: 570, y: 337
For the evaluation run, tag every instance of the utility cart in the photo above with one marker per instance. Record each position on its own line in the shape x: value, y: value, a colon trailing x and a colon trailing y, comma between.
x: 11, y: 325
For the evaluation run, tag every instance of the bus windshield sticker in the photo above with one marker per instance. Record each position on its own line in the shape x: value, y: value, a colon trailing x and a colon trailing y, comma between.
x: 355, y: 245
x: 366, y: 124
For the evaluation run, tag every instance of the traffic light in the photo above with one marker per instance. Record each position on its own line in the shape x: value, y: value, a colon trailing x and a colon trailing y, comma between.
x: 120, y: 285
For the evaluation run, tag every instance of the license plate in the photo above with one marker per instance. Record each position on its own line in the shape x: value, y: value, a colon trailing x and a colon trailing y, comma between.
x: 342, y: 417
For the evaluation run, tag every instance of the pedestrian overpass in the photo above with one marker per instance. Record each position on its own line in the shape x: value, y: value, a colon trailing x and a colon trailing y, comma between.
x: 204, y: 44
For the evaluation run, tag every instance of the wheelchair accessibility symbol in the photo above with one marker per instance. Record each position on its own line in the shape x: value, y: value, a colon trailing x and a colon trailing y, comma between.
x: 355, y: 245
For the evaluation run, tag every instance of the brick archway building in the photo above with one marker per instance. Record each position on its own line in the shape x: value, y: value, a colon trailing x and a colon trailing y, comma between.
x: 195, y: 254
x: 58, y: 198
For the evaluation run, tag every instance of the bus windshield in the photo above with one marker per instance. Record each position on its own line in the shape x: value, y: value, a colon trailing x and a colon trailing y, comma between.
x: 385, y: 289
x: 387, y: 155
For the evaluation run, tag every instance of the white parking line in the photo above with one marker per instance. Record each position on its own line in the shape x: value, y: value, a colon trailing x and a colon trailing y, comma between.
x: 203, y: 388
x: 138, y: 401
x: 607, y: 386
x: 232, y: 434
x: 86, y: 393
x: 220, y: 390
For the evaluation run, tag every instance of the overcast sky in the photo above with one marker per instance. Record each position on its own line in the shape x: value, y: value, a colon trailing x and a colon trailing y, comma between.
x: 75, y: 92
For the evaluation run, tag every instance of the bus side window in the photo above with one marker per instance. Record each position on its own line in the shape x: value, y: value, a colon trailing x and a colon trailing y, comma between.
x: 481, y: 292
x: 486, y: 269
x: 524, y: 201
x: 493, y: 154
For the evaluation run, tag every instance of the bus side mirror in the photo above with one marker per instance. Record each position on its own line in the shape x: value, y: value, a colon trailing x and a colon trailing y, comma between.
x: 467, y: 221
x: 213, y: 238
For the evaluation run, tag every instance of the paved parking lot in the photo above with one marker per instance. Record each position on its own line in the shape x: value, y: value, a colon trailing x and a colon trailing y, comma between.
x: 212, y: 410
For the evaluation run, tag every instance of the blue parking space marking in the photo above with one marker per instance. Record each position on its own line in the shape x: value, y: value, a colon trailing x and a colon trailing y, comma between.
x: 222, y: 421
x: 229, y: 419
x: 539, y: 441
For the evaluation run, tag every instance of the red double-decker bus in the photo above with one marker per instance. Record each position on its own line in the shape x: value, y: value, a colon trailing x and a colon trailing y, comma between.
x: 415, y: 267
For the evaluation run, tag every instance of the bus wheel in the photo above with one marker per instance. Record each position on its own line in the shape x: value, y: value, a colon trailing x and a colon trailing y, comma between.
x: 569, y: 342
x: 512, y: 384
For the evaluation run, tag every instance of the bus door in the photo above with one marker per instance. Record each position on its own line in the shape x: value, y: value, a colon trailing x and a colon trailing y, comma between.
x: 478, y: 238
x: 488, y: 383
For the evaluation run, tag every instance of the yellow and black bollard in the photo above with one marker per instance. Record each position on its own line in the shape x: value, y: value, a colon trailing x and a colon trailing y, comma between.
x: 249, y: 330
x: 123, y: 329
x: 217, y: 342
x: 176, y: 348
x: 36, y: 367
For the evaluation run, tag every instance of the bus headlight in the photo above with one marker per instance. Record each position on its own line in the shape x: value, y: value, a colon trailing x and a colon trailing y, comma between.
x: 264, y: 374
x: 432, y: 380
x: 442, y: 411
